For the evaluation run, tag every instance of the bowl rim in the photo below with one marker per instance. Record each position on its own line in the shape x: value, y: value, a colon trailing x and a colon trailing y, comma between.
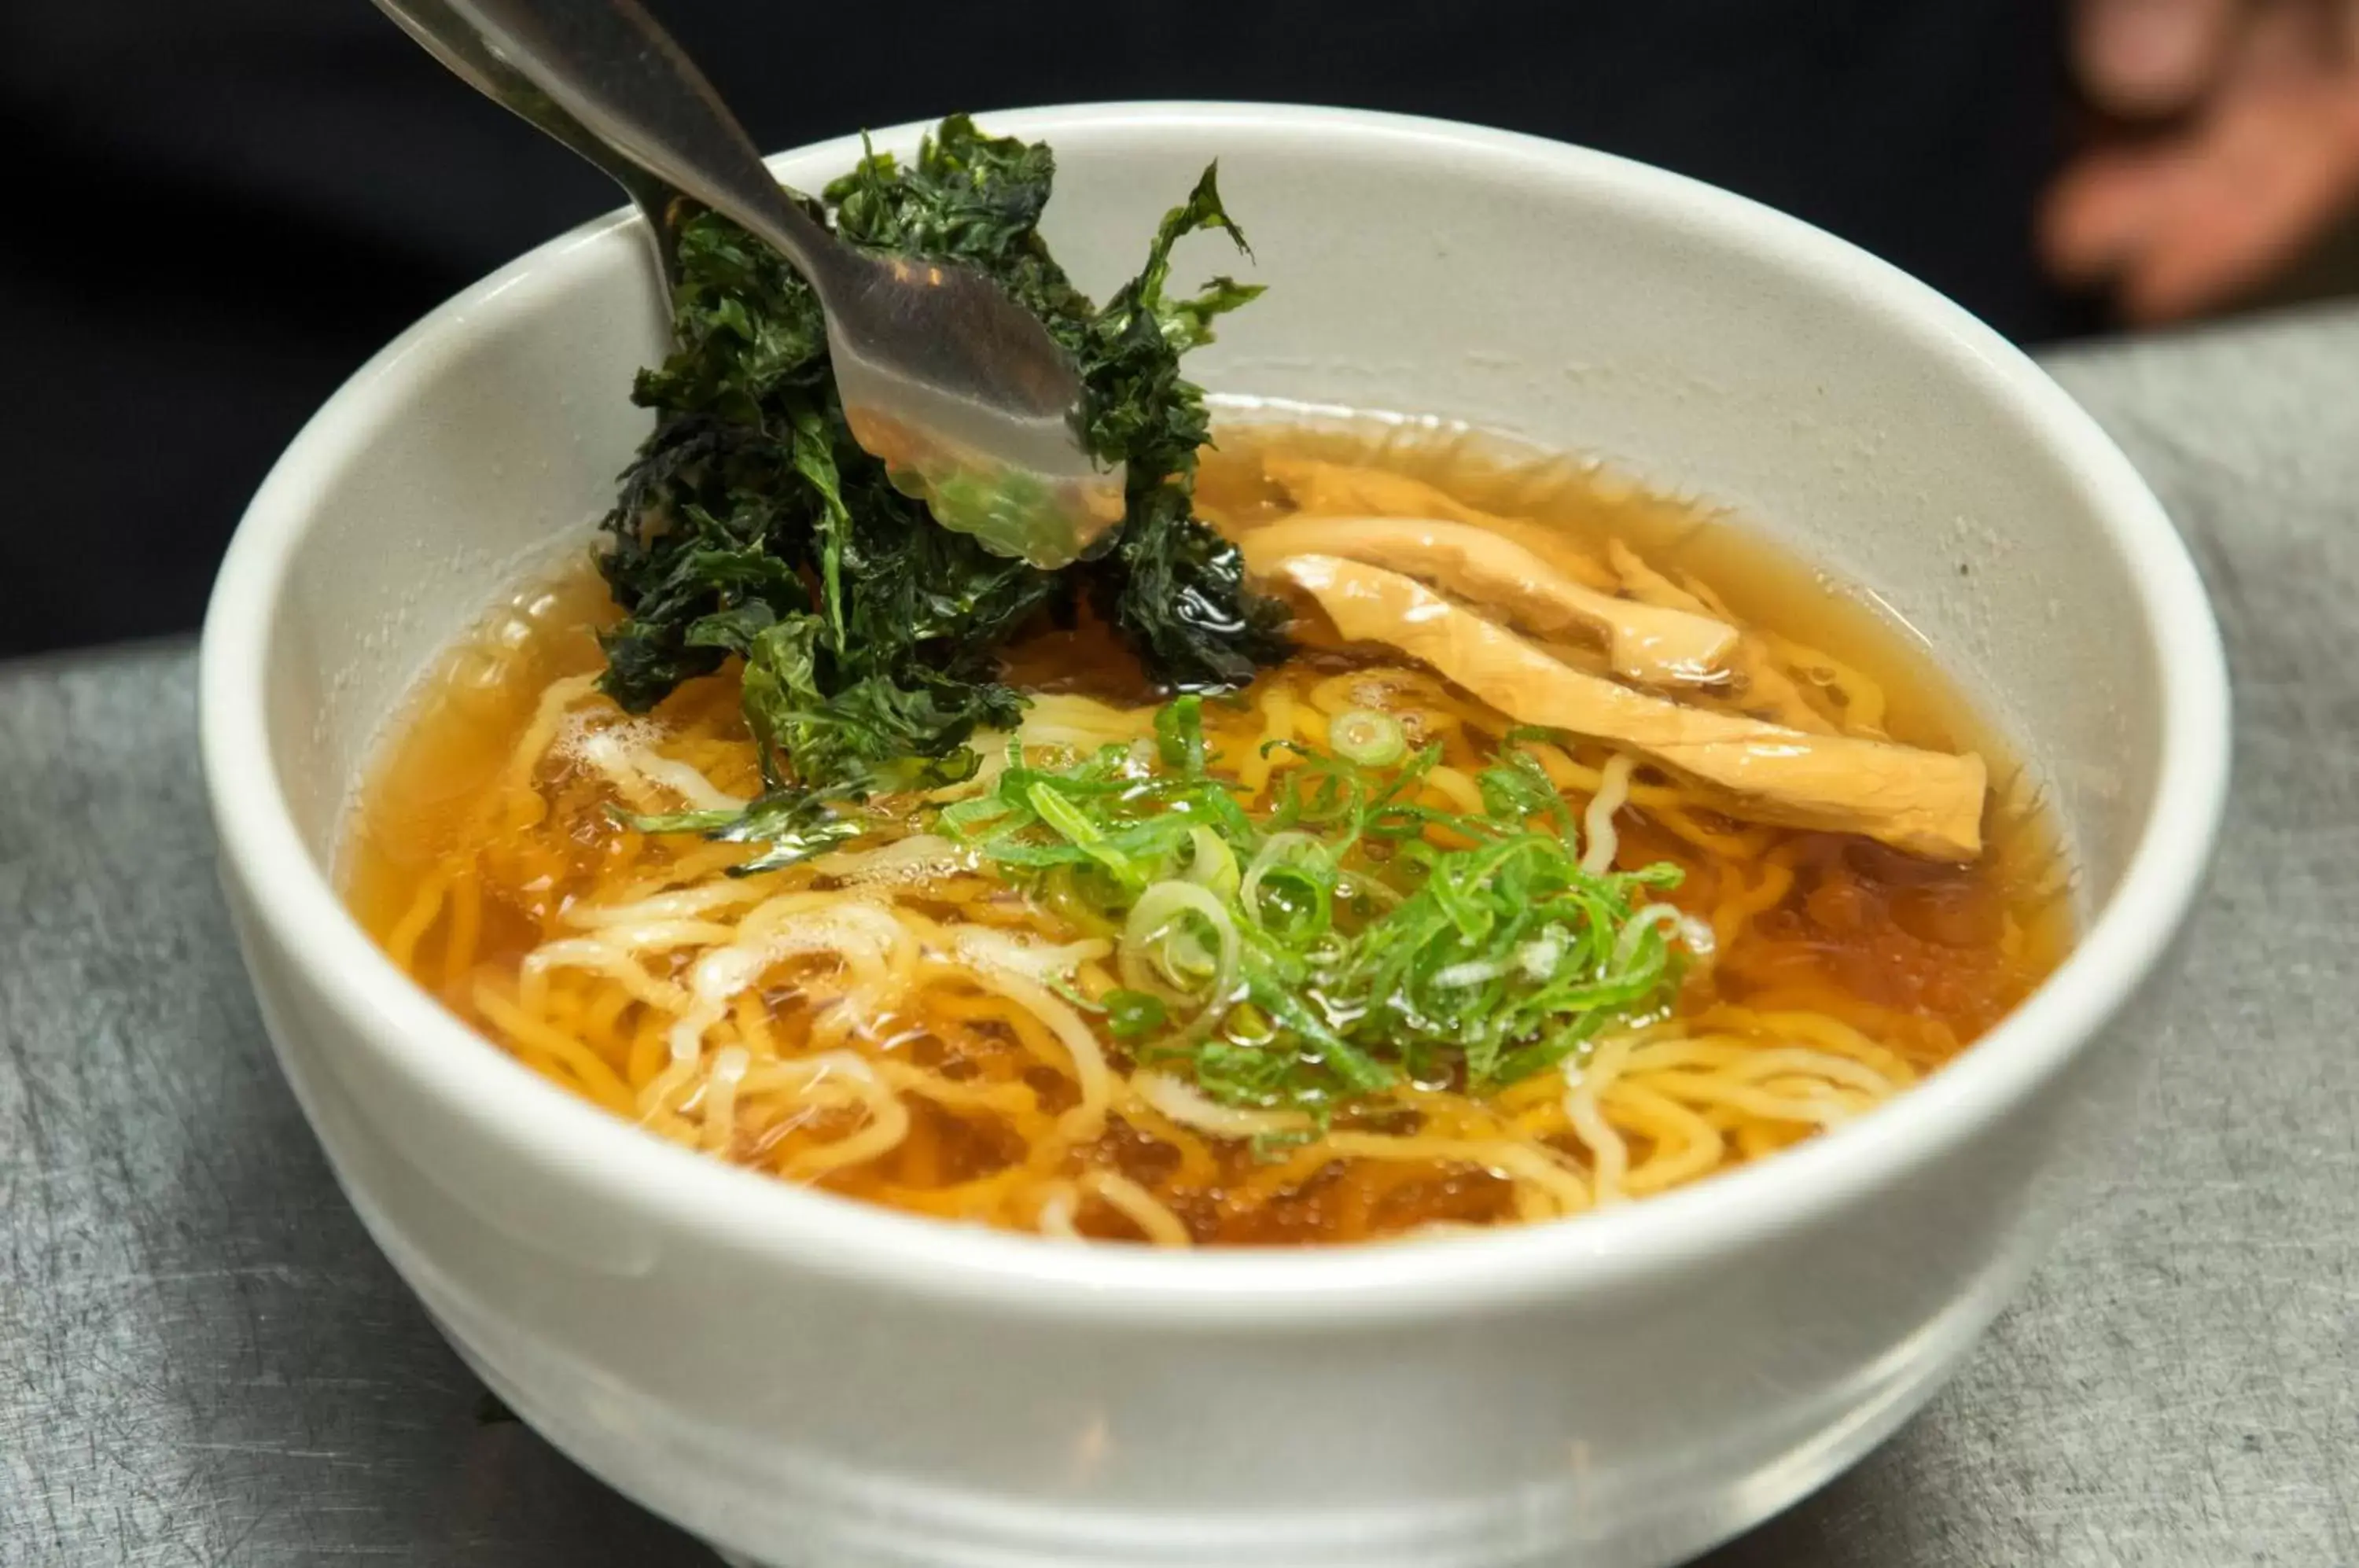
x: 292, y: 900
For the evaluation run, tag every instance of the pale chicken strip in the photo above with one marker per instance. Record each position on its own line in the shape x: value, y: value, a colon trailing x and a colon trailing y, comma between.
x: 1761, y: 685
x: 1315, y: 485
x: 1922, y: 801
x: 1342, y: 489
x: 1646, y: 643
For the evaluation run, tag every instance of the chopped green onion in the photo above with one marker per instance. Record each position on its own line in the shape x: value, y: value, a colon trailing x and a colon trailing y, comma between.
x: 1297, y: 858
x: 1212, y: 863
x: 1132, y: 1014
x: 1079, y: 830
x: 1328, y: 946
x: 1367, y: 738
x: 1157, y: 953
x: 1180, y: 733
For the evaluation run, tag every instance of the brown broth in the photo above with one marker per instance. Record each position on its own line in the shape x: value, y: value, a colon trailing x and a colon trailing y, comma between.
x: 1919, y: 957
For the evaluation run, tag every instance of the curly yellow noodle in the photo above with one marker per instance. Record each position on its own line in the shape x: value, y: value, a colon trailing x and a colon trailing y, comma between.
x: 1091, y: 1073
x: 1745, y: 901
x: 720, y: 1100
x: 983, y: 1198
x: 1535, y: 1092
x: 889, y: 1122
x: 464, y: 928
x: 1743, y: 845
x: 596, y: 1077
x: 578, y: 953
x: 1532, y: 1164
x: 1704, y: 1088
x: 1758, y: 1139
x: 1818, y: 1028
x: 1197, y: 1168
x: 1154, y: 1219
x: 1743, y: 1061
x: 1458, y: 792
x: 1682, y: 1144
x: 990, y: 1007
x: 752, y: 1022
x: 649, y: 1052
x: 547, y: 716
x: 1609, y: 1154
x: 695, y: 866
x: 425, y: 908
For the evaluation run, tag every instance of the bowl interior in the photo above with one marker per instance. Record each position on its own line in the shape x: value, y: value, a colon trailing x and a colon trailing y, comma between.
x: 1568, y: 301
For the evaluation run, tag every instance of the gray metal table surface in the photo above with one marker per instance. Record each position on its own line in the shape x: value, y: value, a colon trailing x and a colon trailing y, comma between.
x: 204, y: 1361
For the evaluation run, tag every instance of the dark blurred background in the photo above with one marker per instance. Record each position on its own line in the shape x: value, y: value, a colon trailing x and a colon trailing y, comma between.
x: 222, y: 209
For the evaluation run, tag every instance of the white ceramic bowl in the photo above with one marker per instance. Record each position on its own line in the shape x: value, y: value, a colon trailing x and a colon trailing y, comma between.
x: 808, y: 1381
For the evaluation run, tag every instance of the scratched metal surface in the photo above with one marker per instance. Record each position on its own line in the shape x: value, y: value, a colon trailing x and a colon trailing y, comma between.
x: 204, y: 1361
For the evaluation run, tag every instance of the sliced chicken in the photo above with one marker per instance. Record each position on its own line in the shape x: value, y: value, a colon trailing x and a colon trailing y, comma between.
x: 1653, y: 646
x: 1761, y: 685
x: 1340, y: 489
x: 1644, y: 582
x: 1922, y: 801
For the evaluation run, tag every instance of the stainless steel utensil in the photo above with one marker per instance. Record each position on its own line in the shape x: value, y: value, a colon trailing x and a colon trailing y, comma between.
x: 961, y: 391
